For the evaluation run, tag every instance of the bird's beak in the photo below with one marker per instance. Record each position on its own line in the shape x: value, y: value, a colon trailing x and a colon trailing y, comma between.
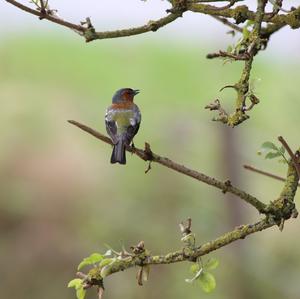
x: 136, y: 91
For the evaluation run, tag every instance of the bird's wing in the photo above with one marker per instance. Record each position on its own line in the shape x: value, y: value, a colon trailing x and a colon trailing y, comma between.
x: 111, y: 126
x: 134, y: 125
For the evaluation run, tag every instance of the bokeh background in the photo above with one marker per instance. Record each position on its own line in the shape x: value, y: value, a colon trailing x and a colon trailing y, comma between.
x: 62, y: 200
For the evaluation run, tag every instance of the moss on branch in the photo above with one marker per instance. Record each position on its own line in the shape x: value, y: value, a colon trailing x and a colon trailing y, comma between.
x: 278, y: 211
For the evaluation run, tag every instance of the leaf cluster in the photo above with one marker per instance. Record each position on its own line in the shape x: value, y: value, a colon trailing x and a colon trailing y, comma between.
x: 202, y: 277
x: 271, y: 151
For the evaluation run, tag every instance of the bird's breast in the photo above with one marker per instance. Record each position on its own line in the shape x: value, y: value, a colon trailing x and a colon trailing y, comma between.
x: 123, y: 118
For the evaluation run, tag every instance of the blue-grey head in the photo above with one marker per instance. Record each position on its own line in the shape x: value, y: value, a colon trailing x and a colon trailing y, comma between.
x: 124, y: 95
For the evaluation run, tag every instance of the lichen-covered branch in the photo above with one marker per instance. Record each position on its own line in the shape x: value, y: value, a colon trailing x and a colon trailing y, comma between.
x: 150, y: 26
x: 89, y: 32
x: 148, y: 155
x: 240, y: 14
x: 279, y: 211
x: 251, y: 43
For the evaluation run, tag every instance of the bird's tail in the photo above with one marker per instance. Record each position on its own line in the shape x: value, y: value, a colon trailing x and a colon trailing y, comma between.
x: 118, y: 154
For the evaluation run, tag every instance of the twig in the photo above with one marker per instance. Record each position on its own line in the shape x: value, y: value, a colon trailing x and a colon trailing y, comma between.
x: 43, y: 8
x: 91, y: 35
x: 242, y: 86
x: 243, y: 56
x: 225, y: 187
x: 239, y: 13
x: 280, y: 210
x: 47, y: 16
x: 150, y: 26
x: 291, y: 154
x: 242, y: 13
x: 227, y: 23
x: 274, y: 176
x: 100, y: 292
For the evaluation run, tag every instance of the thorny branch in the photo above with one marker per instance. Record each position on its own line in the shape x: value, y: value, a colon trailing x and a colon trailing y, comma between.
x: 249, y: 46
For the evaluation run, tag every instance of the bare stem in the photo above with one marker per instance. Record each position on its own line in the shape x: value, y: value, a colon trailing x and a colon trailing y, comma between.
x: 268, y: 174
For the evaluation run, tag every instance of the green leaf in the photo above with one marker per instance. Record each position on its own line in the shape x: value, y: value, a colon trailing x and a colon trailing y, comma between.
x: 249, y: 23
x: 229, y: 49
x: 80, y: 293
x: 92, y: 259
x: 108, y: 252
x: 212, y: 264
x: 207, y: 282
x: 272, y: 155
x: 282, y: 150
x: 75, y: 283
x: 195, y: 268
x: 268, y: 145
x: 105, y: 262
x: 283, y: 161
x: 246, y: 32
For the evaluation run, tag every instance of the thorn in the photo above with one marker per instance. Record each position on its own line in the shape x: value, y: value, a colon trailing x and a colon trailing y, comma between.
x: 139, y: 276
x: 100, y: 292
x: 185, y: 227
x: 82, y: 275
x: 149, y: 167
x: 281, y: 225
x: 148, y: 153
x: 227, y: 184
x: 228, y: 86
x: 139, y: 248
x: 215, y: 105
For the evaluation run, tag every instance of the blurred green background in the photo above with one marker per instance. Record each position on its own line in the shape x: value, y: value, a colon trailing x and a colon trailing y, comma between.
x: 62, y: 200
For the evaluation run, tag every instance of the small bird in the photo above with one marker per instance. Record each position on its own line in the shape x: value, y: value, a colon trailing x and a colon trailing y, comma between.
x: 122, y: 120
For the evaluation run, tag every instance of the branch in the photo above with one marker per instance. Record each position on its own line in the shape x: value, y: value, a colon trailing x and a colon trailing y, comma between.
x: 268, y: 174
x: 242, y: 13
x: 150, y: 26
x: 90, y: 34
x: 148, y: 155
x: 47, y: 16
x: 239, y: 13
x: 280, y: 210
x: 243, y: 56
x: 188, y: 254
x: 229, y: 24
x: 294, y: 158
x: 253, y: 44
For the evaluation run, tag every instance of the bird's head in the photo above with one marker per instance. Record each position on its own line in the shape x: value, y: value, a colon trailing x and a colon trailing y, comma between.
x: 124, y: 95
